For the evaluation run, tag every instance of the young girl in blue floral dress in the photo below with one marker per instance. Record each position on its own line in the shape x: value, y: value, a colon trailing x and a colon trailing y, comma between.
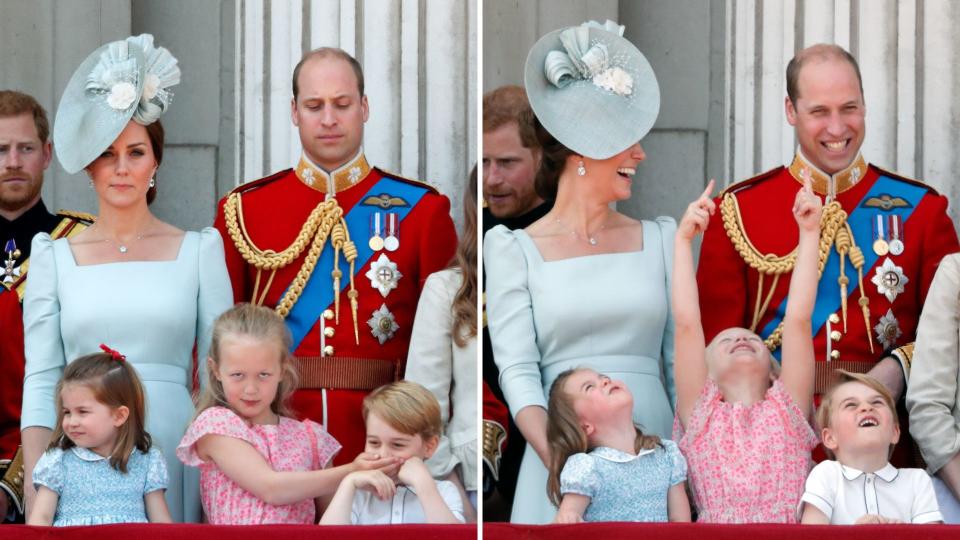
x: 100, y: 466
x: 603, y: 468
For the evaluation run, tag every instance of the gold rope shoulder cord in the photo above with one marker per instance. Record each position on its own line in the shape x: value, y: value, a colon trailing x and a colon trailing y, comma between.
x: 834, y: 231
x: 325, y: 219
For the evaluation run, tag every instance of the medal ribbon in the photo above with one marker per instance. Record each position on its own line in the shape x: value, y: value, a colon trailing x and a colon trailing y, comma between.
x: 317, y: 294
x: 861, y: 223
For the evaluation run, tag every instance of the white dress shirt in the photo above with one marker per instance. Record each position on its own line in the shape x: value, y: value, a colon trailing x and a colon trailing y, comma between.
x: 845, y: 494
x: 404, y: 507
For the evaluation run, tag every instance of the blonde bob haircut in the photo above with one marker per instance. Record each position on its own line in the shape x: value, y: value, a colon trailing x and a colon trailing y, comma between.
x: 844, y: 377
x: 407, y: 407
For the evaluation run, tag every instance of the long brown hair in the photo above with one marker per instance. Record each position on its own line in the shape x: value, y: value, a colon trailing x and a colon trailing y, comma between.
x: 565, y: 436
x: 115, y: 384
x: 465, y: 301
x: 260, y: 323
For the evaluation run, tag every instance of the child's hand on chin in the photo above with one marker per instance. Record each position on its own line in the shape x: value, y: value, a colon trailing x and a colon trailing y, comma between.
x: 413, y: 471
x: 375, y: 482
x: 369, y: 461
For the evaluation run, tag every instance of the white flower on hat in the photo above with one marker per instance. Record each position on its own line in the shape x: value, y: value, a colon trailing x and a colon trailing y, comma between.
x: 615, y: 80
x: 122, y: 95
x: 151, y: 84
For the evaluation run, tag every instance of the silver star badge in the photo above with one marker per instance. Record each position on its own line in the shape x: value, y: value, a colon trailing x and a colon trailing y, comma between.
x: 889, y: 279
x: 383, y: 275
x: 888, y: 330
x: 354, y: 175
x: 382, y: 324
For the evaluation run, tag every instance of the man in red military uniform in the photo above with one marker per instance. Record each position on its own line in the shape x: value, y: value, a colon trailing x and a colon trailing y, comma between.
x: 25, y: 152
x: 883, y: 236
x: 341, y: 249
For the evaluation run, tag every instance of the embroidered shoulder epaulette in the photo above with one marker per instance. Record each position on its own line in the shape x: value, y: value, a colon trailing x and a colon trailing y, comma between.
x: 418, y: 183
x: 906, y: 179
x: 254, y: 184
x: 743, y: 184
x: 83, y: 217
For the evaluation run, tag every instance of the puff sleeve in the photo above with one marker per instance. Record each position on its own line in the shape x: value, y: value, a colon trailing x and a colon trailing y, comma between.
x: 214, y: 295
x: 48, y: 471
x: 214, y: 421
x: 579, y: 476
x: 43, y: 342
x: 510, y: 320
x: 157, y: 477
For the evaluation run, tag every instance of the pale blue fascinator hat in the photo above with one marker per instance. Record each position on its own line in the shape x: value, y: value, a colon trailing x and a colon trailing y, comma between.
x: 120, y: 81
x: 592, y: 89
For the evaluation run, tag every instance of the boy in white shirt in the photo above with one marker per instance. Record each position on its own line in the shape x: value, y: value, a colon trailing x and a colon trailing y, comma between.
x: 859, y: 427
x: 403, y: 420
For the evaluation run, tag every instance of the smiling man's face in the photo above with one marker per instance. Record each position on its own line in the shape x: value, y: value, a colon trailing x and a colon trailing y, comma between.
x: 828, y: 114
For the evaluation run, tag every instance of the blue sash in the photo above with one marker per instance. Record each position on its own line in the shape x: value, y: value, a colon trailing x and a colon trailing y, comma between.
x: 318, y: 294
x: 860, y: 221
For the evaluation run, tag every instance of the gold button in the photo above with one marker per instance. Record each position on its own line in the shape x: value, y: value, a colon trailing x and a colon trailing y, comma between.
x: 329, y: 331
x: 835, y: 335
x: 328, y: 350
x: 834, y: 354
x: 328, y: 314
x: 834, y: 318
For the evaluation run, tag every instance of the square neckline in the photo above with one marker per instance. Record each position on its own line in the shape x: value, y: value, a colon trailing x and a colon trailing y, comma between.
x: 73, y: 257
x: 533, y: 245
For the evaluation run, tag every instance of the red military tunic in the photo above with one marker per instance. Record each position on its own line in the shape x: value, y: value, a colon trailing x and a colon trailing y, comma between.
x: 274, y: 210
x: 35, y: 220
x: 729, y: 287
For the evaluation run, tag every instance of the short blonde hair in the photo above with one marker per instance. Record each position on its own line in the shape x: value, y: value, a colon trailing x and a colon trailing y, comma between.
x: 844, y: 377
x: 407, y: 407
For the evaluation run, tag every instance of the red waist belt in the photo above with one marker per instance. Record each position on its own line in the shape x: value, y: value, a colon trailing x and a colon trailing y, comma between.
x: 825, y: 372
x: 346, y: 372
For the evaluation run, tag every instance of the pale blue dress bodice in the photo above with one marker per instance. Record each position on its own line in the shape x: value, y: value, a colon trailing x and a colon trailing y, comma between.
x: 625, y: 487
x: 153, y: 312
x: 91, y: 492
x: 609, y: 312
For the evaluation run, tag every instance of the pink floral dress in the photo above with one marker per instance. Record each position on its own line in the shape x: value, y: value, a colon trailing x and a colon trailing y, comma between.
x: 289, y: 446
x: 746, y: 464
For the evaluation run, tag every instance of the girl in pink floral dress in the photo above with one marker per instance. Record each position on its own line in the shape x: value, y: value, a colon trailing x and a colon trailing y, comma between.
x: 742, y: 420
x: 257, y: 464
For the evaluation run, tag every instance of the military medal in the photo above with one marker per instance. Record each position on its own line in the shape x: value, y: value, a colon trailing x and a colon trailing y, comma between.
x: 10, y: 272
x: 889, y: 279
x: 383, y: 275
x: 376, y: 241
x: 888, y: 330
x: 880, y: 246
x: 383, y: 324
x: 896, y: 233
x: 392, y: 241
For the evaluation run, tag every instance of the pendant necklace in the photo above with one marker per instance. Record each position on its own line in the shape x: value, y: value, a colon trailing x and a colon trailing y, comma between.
x: 122, y: 247
x: 590, y: 239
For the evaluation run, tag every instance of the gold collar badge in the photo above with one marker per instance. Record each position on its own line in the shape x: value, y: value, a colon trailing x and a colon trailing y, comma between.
x: 335, y: 181
x: 842, y: 180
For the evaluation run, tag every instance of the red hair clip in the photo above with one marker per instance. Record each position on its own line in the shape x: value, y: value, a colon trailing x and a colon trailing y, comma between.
x: 115, y: 354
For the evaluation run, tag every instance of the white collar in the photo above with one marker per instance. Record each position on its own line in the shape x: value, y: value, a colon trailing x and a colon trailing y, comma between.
x: 617, y: 456
x: 888, y: 473
x: 86, y: 454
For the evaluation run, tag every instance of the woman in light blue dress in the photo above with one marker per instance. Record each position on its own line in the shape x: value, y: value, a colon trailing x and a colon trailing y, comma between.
x: 131, y: 281
x: 584, y: 285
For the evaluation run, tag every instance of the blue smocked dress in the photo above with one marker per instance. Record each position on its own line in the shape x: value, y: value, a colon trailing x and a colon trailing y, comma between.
x: 608, y: 312
x: 91, y: 492
x: 152, y: 312
x: 625, y: 487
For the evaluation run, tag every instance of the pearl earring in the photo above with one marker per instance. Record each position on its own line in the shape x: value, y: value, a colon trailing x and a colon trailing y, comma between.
x: 91, y: 183
x: 581, y: 170
x: 153, y: 182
